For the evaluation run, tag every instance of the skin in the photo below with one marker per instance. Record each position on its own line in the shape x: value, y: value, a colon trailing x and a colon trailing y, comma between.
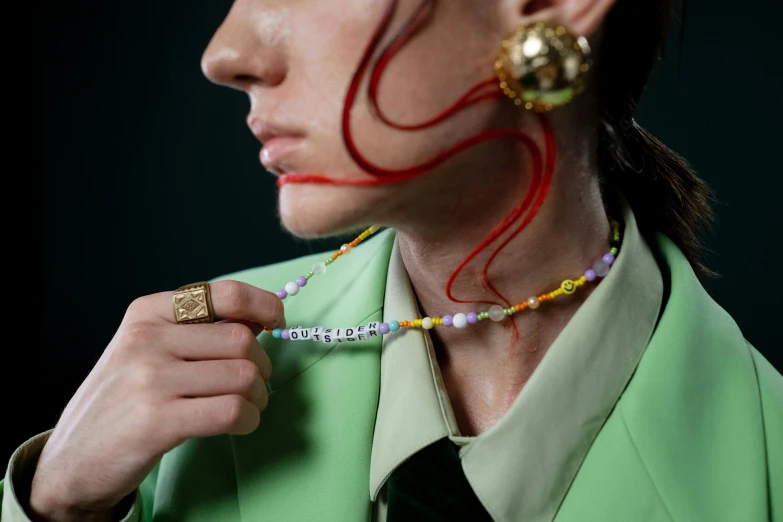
x: 298, y: 84
x: 139, y: 400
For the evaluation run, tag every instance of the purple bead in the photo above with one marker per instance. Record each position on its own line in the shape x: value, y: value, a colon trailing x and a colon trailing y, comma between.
x: 472, y: 317
x: 601, y: 268
x: 285, y: 334
x: 301, y: 280
x: 608, y: 259
x: 590, y: 275
x: 383, y: 328
x: 448, y: 320
x: 282, y: 294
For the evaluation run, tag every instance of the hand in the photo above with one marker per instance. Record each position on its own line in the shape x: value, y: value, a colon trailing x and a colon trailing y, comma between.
x: 157, y: 384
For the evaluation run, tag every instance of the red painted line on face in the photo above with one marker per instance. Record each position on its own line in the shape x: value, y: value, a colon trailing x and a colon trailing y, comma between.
x: 487, y: 90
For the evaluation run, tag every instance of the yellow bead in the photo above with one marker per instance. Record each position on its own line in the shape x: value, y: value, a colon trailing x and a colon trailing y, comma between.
x: 568, y: 286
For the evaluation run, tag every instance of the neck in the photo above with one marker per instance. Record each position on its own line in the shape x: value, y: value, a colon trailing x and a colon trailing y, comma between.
x: 483, y: 367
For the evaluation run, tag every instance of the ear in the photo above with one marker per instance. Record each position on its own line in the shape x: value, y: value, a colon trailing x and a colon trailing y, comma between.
x: 581, y: 17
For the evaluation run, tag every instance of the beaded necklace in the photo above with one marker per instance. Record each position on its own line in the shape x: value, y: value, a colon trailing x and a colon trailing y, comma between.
x: 460, y: 320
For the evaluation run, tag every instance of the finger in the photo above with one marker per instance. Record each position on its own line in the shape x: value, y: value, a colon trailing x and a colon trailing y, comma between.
x: 205, y: 342
x: 255, y: 327
x: 209, y: 416
x: 236, y: 300
x: 215, y: 378
x: 230, y: 300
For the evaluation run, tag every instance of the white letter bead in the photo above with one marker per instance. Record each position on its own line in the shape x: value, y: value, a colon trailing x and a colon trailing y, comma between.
x: 373, y: 327
x: 317, y: 333
x: 460, y: 320
x: 350, y: 334
x: 294, y: 333
x: 328, y: 336
x: 292, y: 288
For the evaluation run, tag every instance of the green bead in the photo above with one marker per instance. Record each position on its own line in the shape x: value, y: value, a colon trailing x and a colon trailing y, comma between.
x: 308, y: 275
x: 613, y: 251
x: 510, y: 311
x: 329, y: 261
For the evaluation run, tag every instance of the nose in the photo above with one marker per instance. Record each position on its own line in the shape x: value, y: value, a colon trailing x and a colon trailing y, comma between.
x: 247, y: 49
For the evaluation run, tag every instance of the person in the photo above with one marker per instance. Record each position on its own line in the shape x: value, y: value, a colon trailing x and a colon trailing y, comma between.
x: 526, y: 339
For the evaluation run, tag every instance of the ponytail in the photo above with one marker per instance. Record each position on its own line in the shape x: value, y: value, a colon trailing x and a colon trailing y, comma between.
x: 662, y: 188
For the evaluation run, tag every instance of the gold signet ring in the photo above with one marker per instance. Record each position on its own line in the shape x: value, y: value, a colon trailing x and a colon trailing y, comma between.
x: 193, y: 304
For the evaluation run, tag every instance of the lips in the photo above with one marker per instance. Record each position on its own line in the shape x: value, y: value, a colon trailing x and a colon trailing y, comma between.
x: 276, y: 151
x: 279, y: 143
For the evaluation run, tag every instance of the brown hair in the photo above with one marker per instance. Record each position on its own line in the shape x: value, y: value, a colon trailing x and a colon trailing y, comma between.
x: 662, y: 188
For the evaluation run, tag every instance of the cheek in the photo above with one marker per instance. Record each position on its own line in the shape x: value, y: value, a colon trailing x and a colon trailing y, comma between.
x: 431, y: 72
x: 450, y: 54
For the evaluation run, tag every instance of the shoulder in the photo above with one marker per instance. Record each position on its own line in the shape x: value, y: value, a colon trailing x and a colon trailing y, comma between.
x: 704, y: 407
x: 698, y: 356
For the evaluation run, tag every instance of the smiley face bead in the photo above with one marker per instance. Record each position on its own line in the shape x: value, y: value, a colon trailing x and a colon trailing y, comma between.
x: 568, y: 286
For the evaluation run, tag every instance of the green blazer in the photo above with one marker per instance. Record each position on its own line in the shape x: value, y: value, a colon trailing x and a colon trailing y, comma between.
x: 696, y: 436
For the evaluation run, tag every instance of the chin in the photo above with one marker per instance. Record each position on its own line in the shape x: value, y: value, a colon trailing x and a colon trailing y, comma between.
x: 310, y: 211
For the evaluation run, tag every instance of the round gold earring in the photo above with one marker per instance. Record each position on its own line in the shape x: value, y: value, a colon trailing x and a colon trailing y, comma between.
x: 541, y: 66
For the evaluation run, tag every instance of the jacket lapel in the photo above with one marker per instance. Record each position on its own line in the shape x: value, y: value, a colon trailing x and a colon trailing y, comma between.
x: 310, y: 458
x: 686, y: 440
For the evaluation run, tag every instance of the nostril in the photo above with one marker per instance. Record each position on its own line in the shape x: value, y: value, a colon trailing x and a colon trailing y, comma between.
x: 245, y: 78
x: 242, y: 64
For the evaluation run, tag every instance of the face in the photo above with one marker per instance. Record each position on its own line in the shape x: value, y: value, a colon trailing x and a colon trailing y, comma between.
x: 295, y: 60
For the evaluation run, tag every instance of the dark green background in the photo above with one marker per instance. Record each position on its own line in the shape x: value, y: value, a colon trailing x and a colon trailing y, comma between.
x: 126, y: 131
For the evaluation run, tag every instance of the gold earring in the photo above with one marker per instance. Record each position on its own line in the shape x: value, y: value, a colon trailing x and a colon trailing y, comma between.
x: 541, y: 66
